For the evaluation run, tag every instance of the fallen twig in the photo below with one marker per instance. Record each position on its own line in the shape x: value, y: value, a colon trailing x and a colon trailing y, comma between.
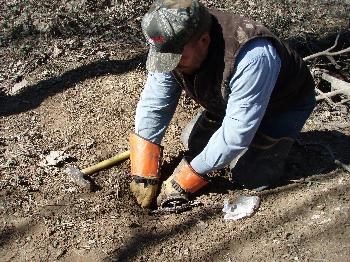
x: 330, y: 94
x: 336, y: 83
x: 338, y: 86
x: 328, y: 52
x: 344, y: 101
x: 324, y: 96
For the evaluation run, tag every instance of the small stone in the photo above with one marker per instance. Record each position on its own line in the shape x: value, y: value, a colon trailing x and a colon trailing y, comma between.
x: 61, y: 253
x: 288, y: 234
x: 56, y: 158
x: 202, y: 224
x: 134, y: 225
x: 89, y: 143
x: 56, y: 51
x: 19, y: 86
x: 55, y: 243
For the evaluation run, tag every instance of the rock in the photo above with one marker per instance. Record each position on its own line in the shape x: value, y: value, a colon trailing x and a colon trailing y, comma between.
x: 56, y: 51
x: 56, y: 158
x: 19, y: 86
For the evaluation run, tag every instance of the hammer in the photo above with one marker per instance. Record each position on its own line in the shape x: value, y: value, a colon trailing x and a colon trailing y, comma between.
x: 78, y: 175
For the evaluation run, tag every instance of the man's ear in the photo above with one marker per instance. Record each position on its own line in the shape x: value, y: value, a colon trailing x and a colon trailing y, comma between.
x: 205, y: 39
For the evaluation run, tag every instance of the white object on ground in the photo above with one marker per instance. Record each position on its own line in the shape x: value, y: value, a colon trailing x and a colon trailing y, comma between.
x: 19, y: 86
x: 56, y: 158
x: 243, y: 206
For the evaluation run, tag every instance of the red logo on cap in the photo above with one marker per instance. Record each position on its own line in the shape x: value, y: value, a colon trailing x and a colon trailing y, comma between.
x: 158, y: 39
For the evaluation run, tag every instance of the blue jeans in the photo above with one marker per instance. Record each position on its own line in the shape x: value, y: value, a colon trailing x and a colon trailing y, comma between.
x: 289, y: 123
x: 262, y: 165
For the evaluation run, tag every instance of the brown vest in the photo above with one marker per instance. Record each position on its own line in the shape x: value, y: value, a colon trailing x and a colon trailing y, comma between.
x: 229, y: 33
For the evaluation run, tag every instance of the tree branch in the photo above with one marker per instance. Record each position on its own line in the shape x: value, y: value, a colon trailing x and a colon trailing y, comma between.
x: 325, y: 97
x: 336, y: 84
x: 328, y: 52
x: 330, y: 94
x: 337, y: 87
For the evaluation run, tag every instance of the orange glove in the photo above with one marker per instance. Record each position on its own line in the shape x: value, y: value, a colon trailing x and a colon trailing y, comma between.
x: 183, y: 181
x: 145, y: 161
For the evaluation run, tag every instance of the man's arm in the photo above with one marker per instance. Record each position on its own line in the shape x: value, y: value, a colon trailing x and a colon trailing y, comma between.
x: 156, y: 106
x: 153, y: 113
x: 257, y: 70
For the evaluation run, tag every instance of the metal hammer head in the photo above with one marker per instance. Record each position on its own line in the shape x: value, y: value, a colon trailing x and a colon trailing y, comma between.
x: 78, y: 177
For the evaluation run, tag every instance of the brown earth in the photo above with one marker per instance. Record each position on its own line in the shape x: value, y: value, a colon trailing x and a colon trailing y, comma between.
x: 80, y: 98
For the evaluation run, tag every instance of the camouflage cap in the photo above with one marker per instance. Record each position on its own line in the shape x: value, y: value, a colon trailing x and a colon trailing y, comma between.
x: 168, y: 26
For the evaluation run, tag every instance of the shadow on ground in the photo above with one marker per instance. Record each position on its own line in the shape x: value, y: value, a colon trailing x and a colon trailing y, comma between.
x: 34, y: 95
x: 145, y: 237
x: 315, y: 153
x: 313, y: 157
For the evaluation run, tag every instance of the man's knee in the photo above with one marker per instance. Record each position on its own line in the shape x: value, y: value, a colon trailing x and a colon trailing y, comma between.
x: 262, y: 165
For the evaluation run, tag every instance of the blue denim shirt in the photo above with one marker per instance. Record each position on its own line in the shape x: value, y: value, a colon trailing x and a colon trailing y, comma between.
x: 257, y: 69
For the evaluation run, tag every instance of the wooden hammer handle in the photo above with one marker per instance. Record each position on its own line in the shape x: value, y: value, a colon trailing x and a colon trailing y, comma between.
x: 106, y: 163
